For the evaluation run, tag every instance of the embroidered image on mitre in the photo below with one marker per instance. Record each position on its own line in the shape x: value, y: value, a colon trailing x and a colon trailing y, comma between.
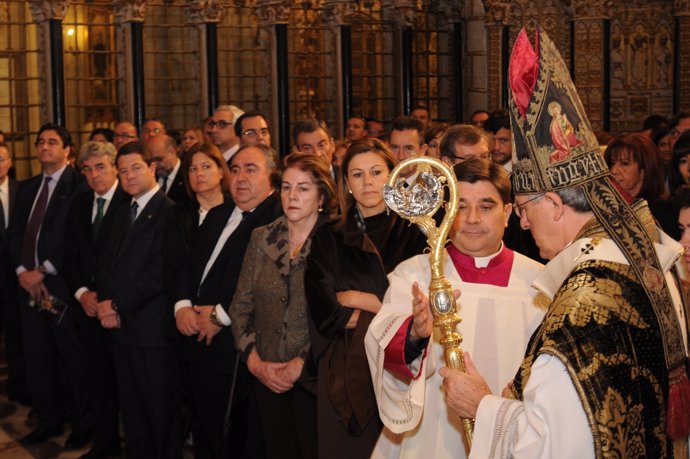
x: 553, y: 144
x: 554, y: 148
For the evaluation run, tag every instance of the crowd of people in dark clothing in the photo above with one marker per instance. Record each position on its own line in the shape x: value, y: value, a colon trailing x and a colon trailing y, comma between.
x: 197, y: 287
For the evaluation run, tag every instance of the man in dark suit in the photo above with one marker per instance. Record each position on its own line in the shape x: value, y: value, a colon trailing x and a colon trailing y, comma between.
x: 134, y: 304
x: 51, y: 344
x: 163, y: 150
x: 11, y: 325
x: 313, y: 137
x: 91, y: 218
x: 206, y: 286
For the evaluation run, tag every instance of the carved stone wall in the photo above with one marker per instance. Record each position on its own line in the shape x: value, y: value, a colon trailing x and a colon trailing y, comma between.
x: 641, y: 63
x: 551, y: 15
x: 589, y: 68
x: 640, y: 46
x: 681, y: 11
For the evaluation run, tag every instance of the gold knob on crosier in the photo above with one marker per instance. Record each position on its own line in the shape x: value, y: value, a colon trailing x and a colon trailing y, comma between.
x: 418, y: 202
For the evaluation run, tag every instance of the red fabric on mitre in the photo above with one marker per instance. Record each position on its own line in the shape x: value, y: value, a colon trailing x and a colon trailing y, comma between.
x: 523, y: 70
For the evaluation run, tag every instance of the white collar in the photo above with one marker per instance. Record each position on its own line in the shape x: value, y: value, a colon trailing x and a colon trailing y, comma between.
x: 554, y: 273
x: 108, y: 195
x: 173, y: 174
x: 145, y: 198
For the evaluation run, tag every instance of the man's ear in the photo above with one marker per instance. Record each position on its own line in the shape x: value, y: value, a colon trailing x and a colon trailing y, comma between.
x: 557, y: 205
x: 508, y: 209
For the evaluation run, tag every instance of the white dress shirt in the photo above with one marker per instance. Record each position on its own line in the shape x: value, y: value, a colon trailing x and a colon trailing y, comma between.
x: 108, y: 196
x: 55, y: 178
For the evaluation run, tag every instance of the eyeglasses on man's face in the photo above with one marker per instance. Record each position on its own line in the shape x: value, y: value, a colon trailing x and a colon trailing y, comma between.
x: 519, y: 208
x: 221, y: 124
x: 254, y: 133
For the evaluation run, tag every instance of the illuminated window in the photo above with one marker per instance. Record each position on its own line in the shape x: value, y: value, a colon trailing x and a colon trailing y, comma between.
x: 90, y: 66
x: 21, y: 84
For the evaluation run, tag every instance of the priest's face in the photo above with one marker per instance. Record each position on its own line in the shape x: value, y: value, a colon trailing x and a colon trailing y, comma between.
x: 481, y: 220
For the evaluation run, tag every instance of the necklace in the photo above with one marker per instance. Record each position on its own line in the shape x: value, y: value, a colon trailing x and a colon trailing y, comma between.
x: 295, y: 248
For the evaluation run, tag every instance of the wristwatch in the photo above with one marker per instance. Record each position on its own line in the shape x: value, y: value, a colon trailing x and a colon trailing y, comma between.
x: 215, y: 320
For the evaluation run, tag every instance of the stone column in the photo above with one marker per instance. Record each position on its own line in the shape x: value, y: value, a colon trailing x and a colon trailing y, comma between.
x: 276, y: 13
x: 498, y: 17
x: 451, y: 16
x: 681, y: 56
x: 206, y: 15
x: 338, y: 14
x: 404, y: 14
x: 591, y: 59
x: 129, y: 15
x: 48, y: 14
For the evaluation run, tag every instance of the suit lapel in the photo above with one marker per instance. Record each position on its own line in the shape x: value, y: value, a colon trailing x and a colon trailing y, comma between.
x: 60, y: 193
x: 211, y: 229
x: 13, y: 194
x: 255, y: 219
x: 119, y: 198
x: 142, y: 221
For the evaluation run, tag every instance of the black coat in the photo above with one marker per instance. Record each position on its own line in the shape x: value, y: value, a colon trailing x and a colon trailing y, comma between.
x: 6, y: 272
x: 348, y: 259
x: 131, y: 274
x: 51, y: 236
x: 82, y: 249
x: 177, y: 191
x: 219, y: 284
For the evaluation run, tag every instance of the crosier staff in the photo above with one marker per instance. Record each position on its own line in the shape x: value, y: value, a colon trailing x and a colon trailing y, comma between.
x: 418, y: 203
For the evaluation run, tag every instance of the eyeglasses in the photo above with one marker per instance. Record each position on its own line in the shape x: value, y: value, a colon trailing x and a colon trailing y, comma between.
x: 153, y: 131
x: 222, y: 124
x: 124, y: 136
x: 517, y: 207
x: 253, y: 133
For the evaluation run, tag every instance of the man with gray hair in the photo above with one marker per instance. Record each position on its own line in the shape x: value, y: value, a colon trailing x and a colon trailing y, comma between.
x: 91, y: 222
x: 222, y: 130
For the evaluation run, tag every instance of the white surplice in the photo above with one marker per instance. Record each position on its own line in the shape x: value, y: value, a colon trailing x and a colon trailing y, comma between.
x: 497, y: 323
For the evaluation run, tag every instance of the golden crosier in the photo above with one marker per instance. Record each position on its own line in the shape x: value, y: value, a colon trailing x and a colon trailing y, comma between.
x: 402, y: 200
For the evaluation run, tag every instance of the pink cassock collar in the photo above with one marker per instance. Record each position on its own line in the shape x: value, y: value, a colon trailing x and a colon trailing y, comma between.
x: 496, y: 273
